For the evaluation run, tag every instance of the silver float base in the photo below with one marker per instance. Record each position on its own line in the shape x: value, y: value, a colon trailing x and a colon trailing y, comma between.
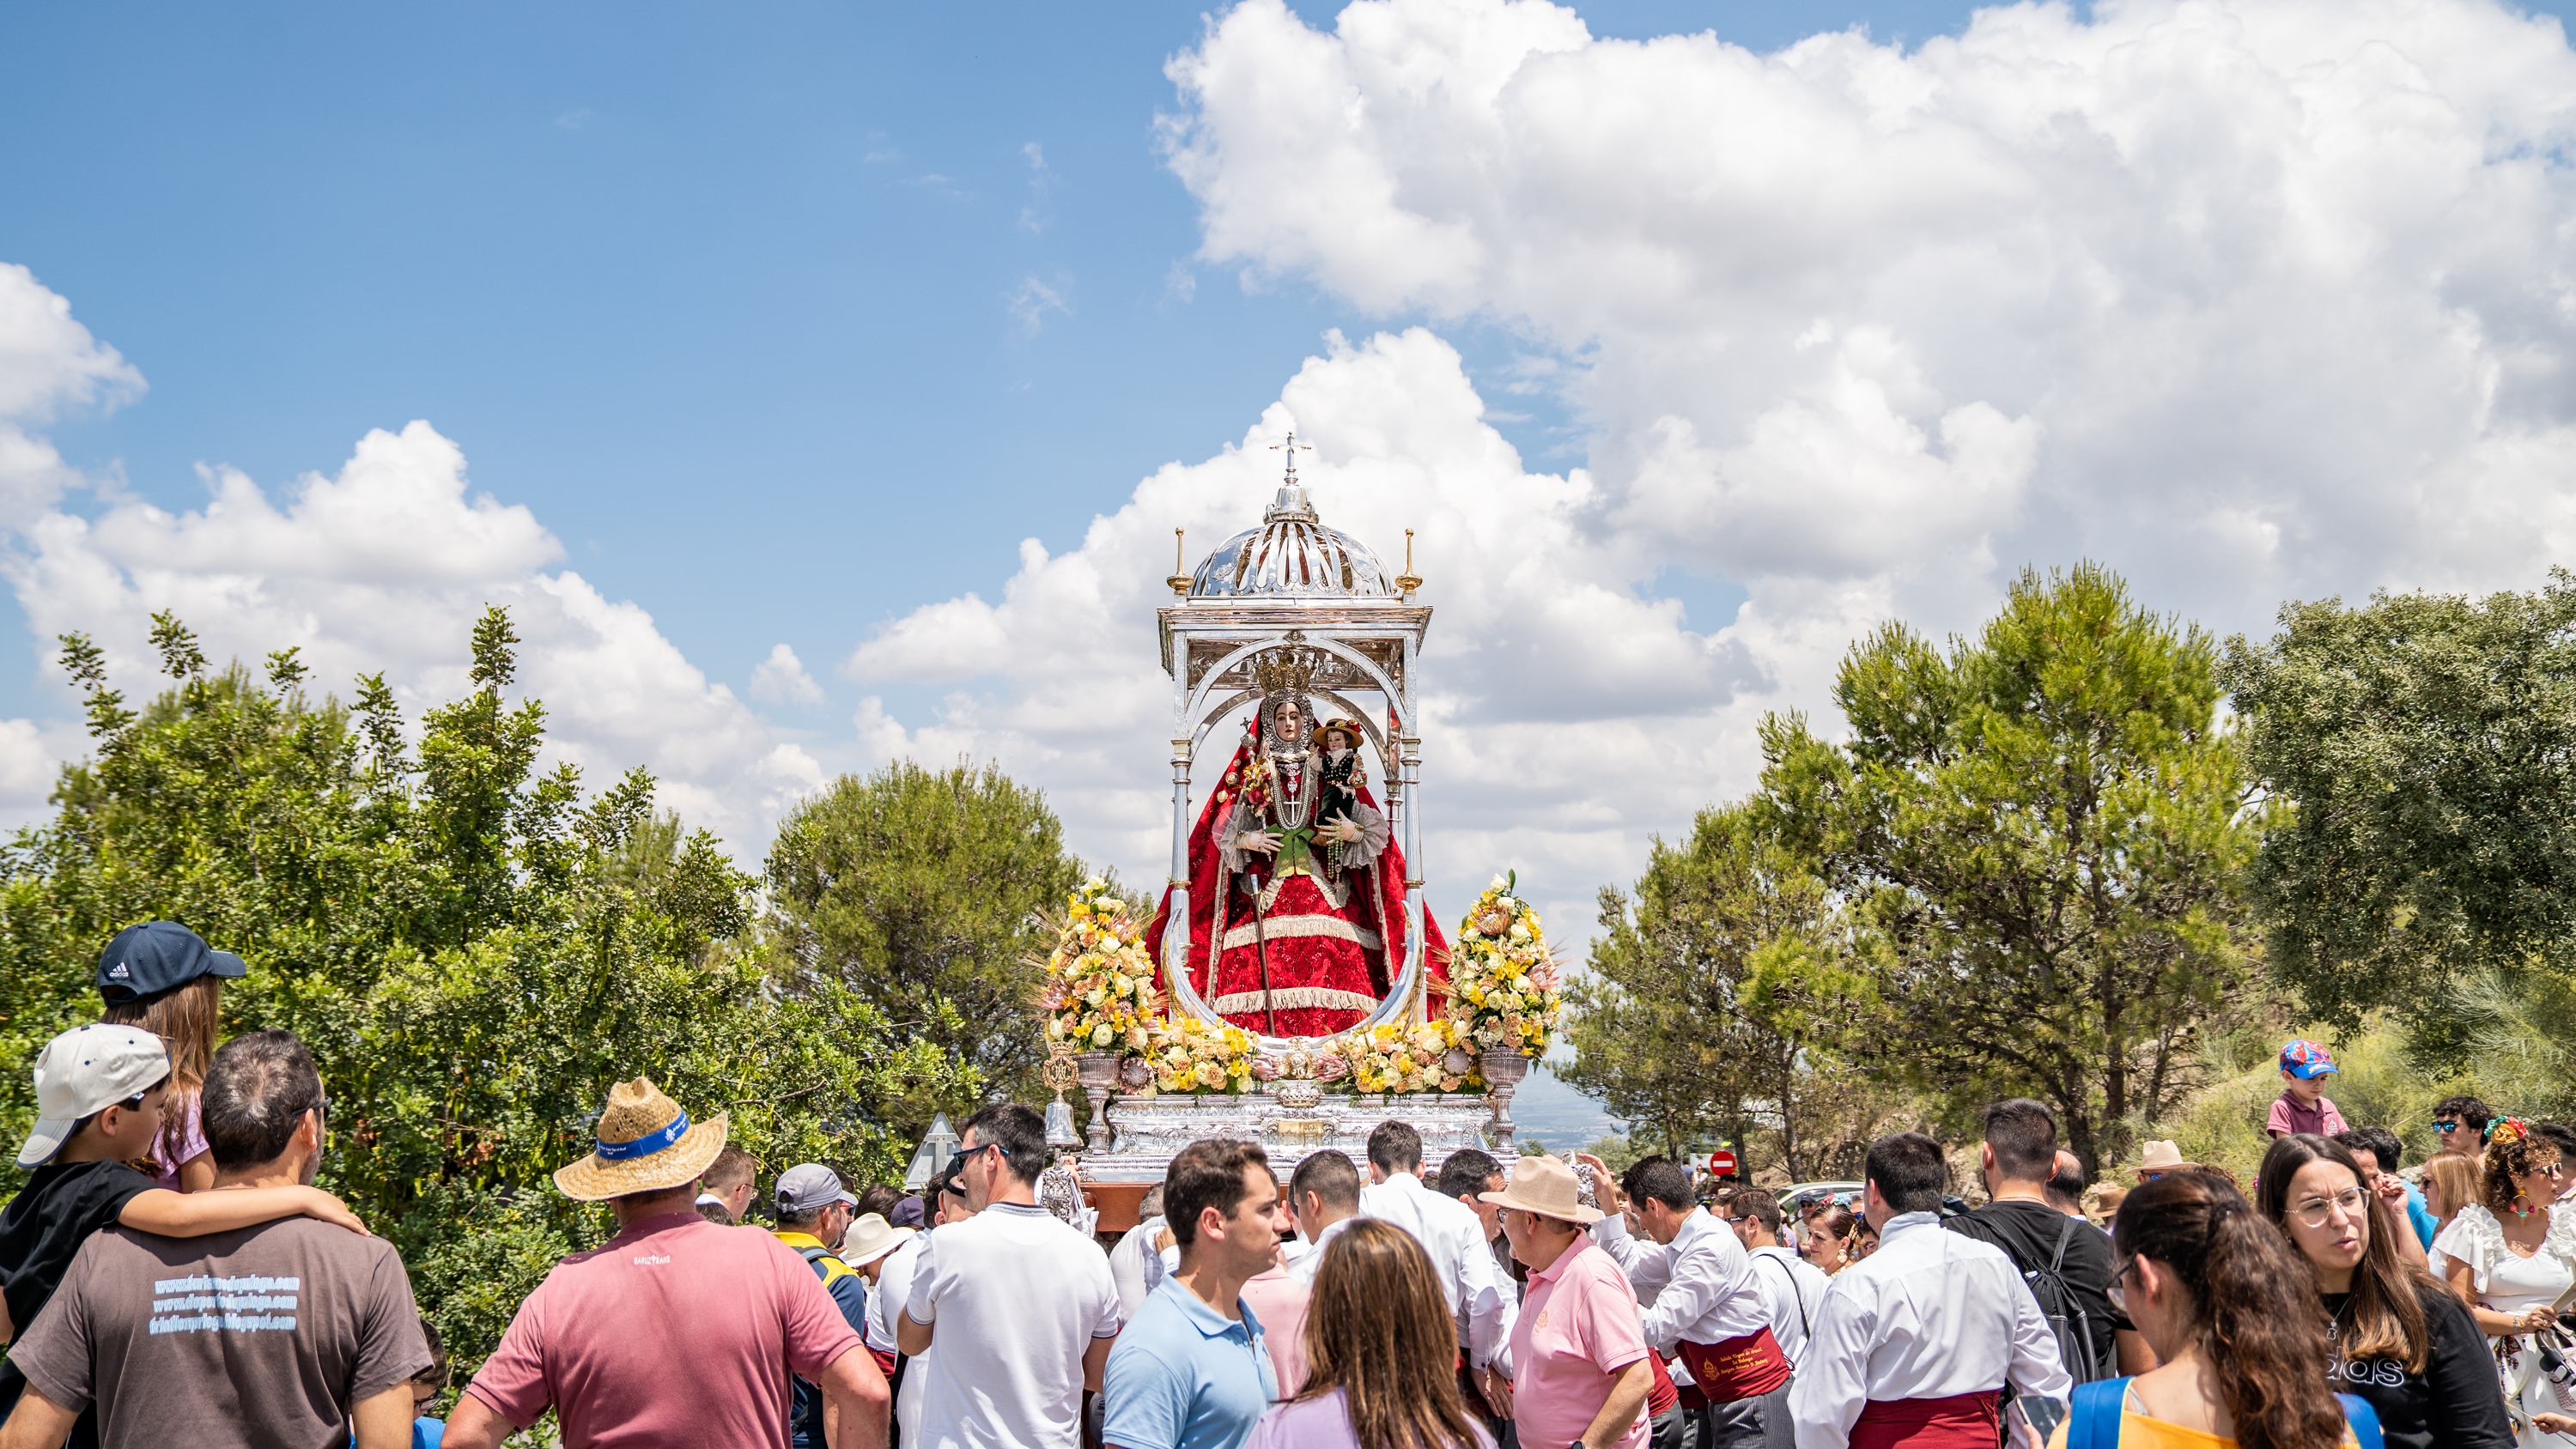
x: 1146, y: 1135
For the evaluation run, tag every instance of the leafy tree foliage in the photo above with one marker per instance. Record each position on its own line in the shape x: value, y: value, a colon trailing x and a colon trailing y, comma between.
x: 1721, y: 1000
x: 2423, y: 752
x: 473, y: 951
x: 926, y: 895
x: 2041, y: 831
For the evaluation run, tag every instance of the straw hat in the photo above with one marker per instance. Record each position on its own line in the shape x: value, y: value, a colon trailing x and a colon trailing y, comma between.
x: 2162, y: 1157
x: 869, y: 1238
x: 646, y: 1144
x: 1545, y: 1186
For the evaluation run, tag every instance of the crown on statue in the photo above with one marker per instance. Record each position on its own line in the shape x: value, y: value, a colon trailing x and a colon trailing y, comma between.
x: 1285, y: 671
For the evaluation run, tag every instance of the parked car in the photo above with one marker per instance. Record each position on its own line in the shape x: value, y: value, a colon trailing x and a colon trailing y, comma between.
x: 1798, y: 1195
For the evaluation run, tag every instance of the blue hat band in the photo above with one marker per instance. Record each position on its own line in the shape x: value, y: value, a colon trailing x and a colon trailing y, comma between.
x: 648, y: 1144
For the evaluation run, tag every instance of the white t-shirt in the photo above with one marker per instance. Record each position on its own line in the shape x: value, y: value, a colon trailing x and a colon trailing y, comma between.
x: 885, y: 1300
x: 1016, y: 1297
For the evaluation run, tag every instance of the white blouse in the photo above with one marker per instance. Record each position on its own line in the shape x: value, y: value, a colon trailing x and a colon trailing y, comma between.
x: 2477, y: 1239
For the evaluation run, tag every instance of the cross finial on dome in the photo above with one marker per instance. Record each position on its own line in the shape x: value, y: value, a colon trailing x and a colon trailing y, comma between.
x: 1291, y: 501
x: 1292, y: 448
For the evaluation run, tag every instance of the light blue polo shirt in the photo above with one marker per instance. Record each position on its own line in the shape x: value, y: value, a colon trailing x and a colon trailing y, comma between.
x: 1185, y: 1376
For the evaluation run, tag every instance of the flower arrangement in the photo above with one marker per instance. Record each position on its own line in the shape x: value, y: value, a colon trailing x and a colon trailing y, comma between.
x: 1100, y: 993
x: 1103, y: 995
x: 1189, y: 1055
x: 1424, y: 1057
x: 1505, y: 990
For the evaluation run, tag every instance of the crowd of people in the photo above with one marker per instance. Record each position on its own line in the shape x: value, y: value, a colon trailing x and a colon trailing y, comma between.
x: 169, y: 1274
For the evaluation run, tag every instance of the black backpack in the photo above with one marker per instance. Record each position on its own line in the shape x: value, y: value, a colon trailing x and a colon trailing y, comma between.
x: 2065, y: 1312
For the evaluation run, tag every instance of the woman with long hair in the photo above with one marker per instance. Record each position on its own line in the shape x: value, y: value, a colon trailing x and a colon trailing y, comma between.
x: 2512, y: 1255
x: 2230, y: 1310
x: 1381, y: 1354
x: 2399, y: 1338
x: 2450, y: 1184
x: 1825, y: 1235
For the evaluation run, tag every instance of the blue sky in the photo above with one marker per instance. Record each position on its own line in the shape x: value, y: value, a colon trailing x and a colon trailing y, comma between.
x: 726, y: 297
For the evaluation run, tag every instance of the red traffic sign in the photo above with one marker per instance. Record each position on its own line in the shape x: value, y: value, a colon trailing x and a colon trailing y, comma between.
x: 1721, y: 1163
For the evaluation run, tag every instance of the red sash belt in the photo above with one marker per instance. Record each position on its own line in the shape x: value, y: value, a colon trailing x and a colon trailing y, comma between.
x: 1741, y: 1368
x: 1961, y: 1421
x: 1663, y: 1395
x: 885, y: 1363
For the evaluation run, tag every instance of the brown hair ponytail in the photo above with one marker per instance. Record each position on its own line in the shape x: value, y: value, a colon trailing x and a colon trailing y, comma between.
x: 2254, y: 1303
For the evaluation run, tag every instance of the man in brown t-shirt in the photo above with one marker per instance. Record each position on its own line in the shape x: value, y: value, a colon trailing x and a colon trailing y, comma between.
x: 291, y: 1335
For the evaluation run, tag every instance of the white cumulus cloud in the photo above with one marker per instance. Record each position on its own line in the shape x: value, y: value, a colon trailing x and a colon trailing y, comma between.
x: 781, y: 679
x: 2249, y: 297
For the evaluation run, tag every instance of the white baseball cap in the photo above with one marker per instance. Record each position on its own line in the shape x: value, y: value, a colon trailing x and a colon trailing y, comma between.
x: 83, y: 1072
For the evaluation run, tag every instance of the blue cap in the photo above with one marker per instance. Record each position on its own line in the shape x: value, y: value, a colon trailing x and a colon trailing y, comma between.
x: 148, y: 959
x: 2307, y: 1060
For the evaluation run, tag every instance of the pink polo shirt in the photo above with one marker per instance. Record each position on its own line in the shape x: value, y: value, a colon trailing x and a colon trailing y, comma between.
x: 1578, y: 1331
x: 675, y: 1331
x: 1279, y: 1301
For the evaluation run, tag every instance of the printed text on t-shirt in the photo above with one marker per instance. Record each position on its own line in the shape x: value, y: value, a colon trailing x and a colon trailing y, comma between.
x: 241, y: 1304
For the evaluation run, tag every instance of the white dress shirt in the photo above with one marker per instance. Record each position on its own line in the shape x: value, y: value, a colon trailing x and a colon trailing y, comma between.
x: 1307, y: 1264
x: 1797, y: 1287
x: 1450, y: 1231
x: 1709, y: 1295
x: 1648, y: 1264
x: 1930, y: 1315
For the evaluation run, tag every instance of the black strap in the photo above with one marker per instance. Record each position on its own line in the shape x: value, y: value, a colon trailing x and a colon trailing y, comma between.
x: 2065, y: 1234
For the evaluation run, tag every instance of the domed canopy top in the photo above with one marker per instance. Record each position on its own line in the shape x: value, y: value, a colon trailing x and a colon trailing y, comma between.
x: 1291, y: 555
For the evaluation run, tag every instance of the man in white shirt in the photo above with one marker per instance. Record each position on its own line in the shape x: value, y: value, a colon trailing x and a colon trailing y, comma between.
x: 1796, y: 1285
x: 1019, y: 1303
x: 1916, y: 1343
x: 1137, y: 1262
x: 1480, y: 1300
x: 1711, y: 1308
x: 893, y: 1290
x: 1323, y: 1194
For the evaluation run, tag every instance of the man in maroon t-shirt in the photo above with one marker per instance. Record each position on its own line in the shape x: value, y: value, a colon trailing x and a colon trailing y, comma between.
x: 676, y: 1331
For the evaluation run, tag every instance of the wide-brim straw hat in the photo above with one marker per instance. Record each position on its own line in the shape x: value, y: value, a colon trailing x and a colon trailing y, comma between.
x: 869, y: 1238
x: 646, y: 1144
x: 1545, y: 1186
x: 2162, y: 1157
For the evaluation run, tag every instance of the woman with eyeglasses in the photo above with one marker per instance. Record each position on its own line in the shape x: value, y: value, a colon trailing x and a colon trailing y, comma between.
x: 2230, y: 1311
x: 2513, y: 1256
x: 2398, y: 1338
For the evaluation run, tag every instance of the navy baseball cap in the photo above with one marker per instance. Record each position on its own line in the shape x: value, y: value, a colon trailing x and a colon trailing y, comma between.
x: 148, y: 959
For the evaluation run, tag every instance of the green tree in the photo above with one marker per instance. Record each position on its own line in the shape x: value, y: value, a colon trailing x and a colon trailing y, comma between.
x: 1722, y: 998
x: 2041, y: 831
x: 926, y: 894
x: 2422, y: 753
x: 472, y: 950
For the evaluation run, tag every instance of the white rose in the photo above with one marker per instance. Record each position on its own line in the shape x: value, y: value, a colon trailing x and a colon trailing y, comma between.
x: 1102, y: 1036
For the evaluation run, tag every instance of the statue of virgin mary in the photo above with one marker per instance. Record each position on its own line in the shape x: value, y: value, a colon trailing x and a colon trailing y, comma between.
x: 1297, y: 924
